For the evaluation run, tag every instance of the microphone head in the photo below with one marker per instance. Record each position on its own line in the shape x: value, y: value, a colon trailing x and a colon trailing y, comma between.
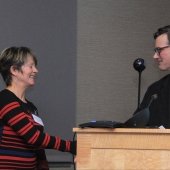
x: 139, y: 64
x: 154, y: 96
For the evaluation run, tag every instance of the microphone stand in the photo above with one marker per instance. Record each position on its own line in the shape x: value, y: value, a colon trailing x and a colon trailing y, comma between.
x: 139, y: 66
x: 139, y: 89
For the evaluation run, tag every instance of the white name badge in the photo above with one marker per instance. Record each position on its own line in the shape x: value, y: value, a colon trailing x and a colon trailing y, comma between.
x: 38, y: 120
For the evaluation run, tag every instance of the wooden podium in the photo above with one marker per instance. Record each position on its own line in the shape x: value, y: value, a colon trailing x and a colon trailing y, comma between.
x: 123, y: 149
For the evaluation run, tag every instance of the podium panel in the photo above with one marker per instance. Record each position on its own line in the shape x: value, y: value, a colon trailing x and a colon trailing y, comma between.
x: 123, y: 149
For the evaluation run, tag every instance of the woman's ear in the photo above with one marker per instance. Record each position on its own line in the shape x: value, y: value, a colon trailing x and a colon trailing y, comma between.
x: 13, y: 70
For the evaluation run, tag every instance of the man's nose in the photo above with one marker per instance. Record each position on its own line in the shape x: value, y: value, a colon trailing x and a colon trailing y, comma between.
x: 155, y: 55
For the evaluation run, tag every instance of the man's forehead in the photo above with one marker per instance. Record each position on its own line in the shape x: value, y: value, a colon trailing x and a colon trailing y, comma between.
x: 163, y: 38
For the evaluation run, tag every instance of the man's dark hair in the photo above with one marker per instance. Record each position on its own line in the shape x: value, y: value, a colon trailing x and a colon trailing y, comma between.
x: 162, y: 30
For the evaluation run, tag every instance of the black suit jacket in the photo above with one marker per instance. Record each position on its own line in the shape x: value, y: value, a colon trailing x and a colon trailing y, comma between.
x: 160, y: 107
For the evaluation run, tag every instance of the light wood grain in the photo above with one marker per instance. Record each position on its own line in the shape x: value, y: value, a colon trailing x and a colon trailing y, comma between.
x: 123, y: 149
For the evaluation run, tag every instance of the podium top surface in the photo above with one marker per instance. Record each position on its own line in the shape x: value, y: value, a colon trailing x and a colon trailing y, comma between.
x: 121, y: 130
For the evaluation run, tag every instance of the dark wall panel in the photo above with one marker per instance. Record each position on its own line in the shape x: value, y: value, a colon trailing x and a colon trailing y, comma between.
x: 49, y: 28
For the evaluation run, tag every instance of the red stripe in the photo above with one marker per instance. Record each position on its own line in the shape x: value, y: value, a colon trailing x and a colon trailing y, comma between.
x: 17, y: 163
x: 45, y: 140
x: 17, y: 158
x: 7, y: 132
x: 8, y: 164
x: 8, y: 108
x: 17, y: 118
x: 16, y: 147
x: 34, y: 138
x: 12, y: 142
x: 26, y: 128
x: 11, y: 163
x: 58, y: 142
x: 48, y: 139
x: 8, y: 167
x: 12, y: 138
x: 67, y: 145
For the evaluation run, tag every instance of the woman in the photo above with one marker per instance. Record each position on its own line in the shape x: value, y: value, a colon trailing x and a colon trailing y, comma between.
x: 22, y: 139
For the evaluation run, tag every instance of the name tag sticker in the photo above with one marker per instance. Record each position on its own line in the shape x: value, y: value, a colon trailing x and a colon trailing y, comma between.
x: 38, y: 120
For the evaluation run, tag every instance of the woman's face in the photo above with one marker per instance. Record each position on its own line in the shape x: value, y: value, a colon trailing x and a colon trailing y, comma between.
x: 26, y: 76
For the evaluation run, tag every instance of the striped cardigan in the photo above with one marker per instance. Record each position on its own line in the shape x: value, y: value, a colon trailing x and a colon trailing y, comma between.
x: 21, y: 136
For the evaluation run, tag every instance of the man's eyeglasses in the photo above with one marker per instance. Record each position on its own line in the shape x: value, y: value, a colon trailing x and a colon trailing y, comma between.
x: 158, y: 50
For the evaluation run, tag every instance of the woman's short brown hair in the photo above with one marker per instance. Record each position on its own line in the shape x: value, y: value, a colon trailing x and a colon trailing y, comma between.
x: 13, y: 56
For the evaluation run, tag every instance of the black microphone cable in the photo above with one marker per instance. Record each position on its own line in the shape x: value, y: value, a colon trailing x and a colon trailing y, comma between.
x: 74, y: 164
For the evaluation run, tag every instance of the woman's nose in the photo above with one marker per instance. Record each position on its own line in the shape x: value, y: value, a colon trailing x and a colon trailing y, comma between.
x: 35, y: 70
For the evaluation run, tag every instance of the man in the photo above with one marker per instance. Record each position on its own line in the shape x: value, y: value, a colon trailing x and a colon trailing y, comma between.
x: 160, y: 107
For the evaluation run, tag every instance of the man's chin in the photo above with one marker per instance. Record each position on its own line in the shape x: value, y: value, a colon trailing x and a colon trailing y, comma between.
x: 163, y: 68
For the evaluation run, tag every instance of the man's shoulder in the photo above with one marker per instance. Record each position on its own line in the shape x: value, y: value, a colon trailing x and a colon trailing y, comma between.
x: 164, y: 81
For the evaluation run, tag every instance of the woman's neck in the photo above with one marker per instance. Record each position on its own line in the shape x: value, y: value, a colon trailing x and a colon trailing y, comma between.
x: 19, y: 92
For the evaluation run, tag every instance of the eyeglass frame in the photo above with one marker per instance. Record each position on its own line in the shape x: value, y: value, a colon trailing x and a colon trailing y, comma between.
x: 158, y: 50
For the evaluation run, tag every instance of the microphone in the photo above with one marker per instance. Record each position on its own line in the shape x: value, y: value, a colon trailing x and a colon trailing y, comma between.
x: 139, y: 66
x: 141, y: 118
x: 153, y: 97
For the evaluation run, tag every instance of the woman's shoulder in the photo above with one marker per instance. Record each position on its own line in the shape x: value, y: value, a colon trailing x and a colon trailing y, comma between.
x: 6, y: 93
x: 6, y: 97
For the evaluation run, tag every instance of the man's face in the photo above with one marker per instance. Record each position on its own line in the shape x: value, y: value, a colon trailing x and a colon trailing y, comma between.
x: 163, y: 56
